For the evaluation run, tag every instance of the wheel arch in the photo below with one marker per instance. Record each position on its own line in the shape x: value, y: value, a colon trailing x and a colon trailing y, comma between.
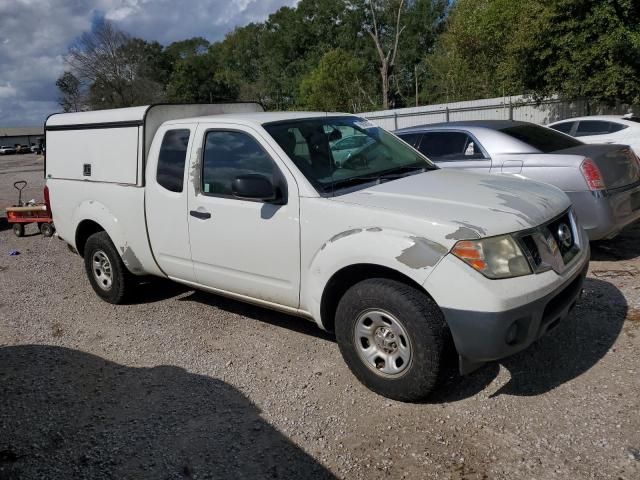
x: 84, y: 230
x: 348, y: 276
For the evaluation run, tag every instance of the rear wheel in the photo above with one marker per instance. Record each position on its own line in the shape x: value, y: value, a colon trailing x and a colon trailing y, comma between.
x: 18, y: 229
x: 47, y: 229
x: 392, y: 336
x: 107, y: 274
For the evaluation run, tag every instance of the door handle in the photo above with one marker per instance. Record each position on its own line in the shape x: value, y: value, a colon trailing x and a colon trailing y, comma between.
x: 200, y: 215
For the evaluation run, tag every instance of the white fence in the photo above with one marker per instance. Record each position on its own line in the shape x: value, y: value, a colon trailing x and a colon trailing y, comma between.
x: 501, y: 108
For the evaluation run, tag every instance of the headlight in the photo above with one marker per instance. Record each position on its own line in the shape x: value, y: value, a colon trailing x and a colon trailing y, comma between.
x: 495, y: 257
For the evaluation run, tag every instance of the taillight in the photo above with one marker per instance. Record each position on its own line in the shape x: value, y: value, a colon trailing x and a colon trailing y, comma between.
x: 47, y: 202
x: 592, y: 175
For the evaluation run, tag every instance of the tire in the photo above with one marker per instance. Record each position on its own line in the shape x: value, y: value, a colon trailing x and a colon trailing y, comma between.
x: 18, y: 229
x: 47, y: 229
x: 417, y: 325
x: 107, y: 274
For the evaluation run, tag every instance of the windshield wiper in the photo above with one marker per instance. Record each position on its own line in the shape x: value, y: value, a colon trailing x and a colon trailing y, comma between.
x: 380, y: 177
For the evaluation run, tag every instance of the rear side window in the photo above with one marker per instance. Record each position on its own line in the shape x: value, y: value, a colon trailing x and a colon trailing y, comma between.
x: 173, y: 153
x: 592, y: 127
x: 564, y: 127
x: 445, y: 146
x: 229, y: 154
x: 543, y: 139
x: 410, y: 138
x: 616, y: 127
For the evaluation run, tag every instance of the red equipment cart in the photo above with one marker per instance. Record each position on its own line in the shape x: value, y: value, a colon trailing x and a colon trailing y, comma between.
x: 19, y: 215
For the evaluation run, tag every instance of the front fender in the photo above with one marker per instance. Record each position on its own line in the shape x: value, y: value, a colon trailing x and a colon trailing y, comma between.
x: 411, y: 255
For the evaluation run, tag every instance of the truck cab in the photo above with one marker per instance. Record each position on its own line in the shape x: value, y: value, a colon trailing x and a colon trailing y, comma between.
x: 380, y: 246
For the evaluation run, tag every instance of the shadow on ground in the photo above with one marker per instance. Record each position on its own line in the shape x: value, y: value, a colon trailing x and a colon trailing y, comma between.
x: 575, y: 346
x: 625, y: 246
x: 154, y: 289
x: 297, y: 324
x: 69, y: 414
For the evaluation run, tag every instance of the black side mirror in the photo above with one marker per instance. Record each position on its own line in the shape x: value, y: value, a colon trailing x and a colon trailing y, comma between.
x: 254, y: 187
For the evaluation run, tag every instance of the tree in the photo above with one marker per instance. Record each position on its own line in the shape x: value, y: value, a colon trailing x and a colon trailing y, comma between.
x: 119, y: 71
x: 186, y: 48
x: 587, y: 49
x: 198, y: 79
x: 480, y: 54
x: 385, y: 36
x: 424, y: 21
x: 71, y: 97
x: 335, y: 84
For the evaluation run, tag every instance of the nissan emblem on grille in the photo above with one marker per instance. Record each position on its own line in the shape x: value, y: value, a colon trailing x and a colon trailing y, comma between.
x: 564, y: 235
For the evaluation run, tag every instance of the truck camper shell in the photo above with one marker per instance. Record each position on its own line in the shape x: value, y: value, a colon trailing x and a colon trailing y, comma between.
x: 112, y: 145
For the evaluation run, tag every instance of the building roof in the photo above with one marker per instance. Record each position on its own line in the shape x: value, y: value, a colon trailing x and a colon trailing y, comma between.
x: 21, y: 131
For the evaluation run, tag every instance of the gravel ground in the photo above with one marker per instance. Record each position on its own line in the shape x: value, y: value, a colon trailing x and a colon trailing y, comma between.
x: 185, y: 384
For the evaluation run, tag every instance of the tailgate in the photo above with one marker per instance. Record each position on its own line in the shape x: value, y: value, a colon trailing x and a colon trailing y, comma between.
x: 617, y: 163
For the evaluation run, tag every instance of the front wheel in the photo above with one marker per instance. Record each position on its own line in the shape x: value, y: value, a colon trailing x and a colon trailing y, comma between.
x: 107, y: 274
x: 392, y: 336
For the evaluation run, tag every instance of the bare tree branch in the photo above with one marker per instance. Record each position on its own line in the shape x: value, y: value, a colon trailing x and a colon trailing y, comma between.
x: 388, y: 59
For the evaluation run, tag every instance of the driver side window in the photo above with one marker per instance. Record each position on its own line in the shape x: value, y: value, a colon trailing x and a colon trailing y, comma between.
x: 229, y: 154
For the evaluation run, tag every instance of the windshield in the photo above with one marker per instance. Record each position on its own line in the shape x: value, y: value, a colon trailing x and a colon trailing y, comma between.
x: 541, y: 138
x: 342, y: 152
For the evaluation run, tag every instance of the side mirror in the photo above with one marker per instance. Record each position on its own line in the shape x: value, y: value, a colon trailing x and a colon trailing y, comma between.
x: 254, y: 187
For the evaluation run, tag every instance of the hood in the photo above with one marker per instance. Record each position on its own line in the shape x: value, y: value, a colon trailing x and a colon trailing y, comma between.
x: 467, y: 205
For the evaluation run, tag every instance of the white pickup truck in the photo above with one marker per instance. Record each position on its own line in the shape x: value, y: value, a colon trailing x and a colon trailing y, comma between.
x: 394, y: 255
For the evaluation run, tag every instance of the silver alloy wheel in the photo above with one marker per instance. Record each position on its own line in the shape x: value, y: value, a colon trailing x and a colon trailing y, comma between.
x: 382, y: 343
x: 102, y: 270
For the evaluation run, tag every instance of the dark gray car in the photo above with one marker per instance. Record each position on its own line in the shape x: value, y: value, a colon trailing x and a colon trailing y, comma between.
x: 603, y: 181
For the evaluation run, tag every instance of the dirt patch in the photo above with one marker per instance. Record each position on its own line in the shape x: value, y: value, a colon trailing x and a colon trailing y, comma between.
x: 614, y: 273
x: 56, y: 330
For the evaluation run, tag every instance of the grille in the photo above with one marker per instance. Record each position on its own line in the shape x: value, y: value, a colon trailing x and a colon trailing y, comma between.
x: 551, y: 246
x: 563, y: 234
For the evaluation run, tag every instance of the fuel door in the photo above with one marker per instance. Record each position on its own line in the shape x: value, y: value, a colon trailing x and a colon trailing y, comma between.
x: 512, y: 167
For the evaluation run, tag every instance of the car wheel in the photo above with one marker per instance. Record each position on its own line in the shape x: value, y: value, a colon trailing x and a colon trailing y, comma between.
x: 392, y: 337
x: 18, y: 229
x: 107, y: 274
x: 47, y: 229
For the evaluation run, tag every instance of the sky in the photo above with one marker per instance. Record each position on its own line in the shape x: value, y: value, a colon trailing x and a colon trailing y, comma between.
x: 35, y: 36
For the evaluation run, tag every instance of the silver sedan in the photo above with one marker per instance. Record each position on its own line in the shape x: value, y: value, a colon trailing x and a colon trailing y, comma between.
x: 603, y: 181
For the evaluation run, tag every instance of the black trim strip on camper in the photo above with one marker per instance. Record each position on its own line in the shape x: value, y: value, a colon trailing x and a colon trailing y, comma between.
x: 94, y: 126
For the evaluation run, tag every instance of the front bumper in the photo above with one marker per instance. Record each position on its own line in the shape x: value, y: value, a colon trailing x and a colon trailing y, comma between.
x: 604, y: 214
x: 492, y: 319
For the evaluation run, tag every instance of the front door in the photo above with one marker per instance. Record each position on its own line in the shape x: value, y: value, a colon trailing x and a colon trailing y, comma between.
x: 245, y: 247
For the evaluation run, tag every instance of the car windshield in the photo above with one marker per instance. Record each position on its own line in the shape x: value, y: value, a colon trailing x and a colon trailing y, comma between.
x: 541, y: 138
x: 340, y: 152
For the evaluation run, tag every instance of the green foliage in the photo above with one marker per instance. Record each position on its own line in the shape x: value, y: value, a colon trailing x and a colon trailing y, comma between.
x: 70, y: 92
x: 587, y: 49
x: 198, y: 79
x: 323, y: 54
x: 335, y: 84
x: 479, y: 54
